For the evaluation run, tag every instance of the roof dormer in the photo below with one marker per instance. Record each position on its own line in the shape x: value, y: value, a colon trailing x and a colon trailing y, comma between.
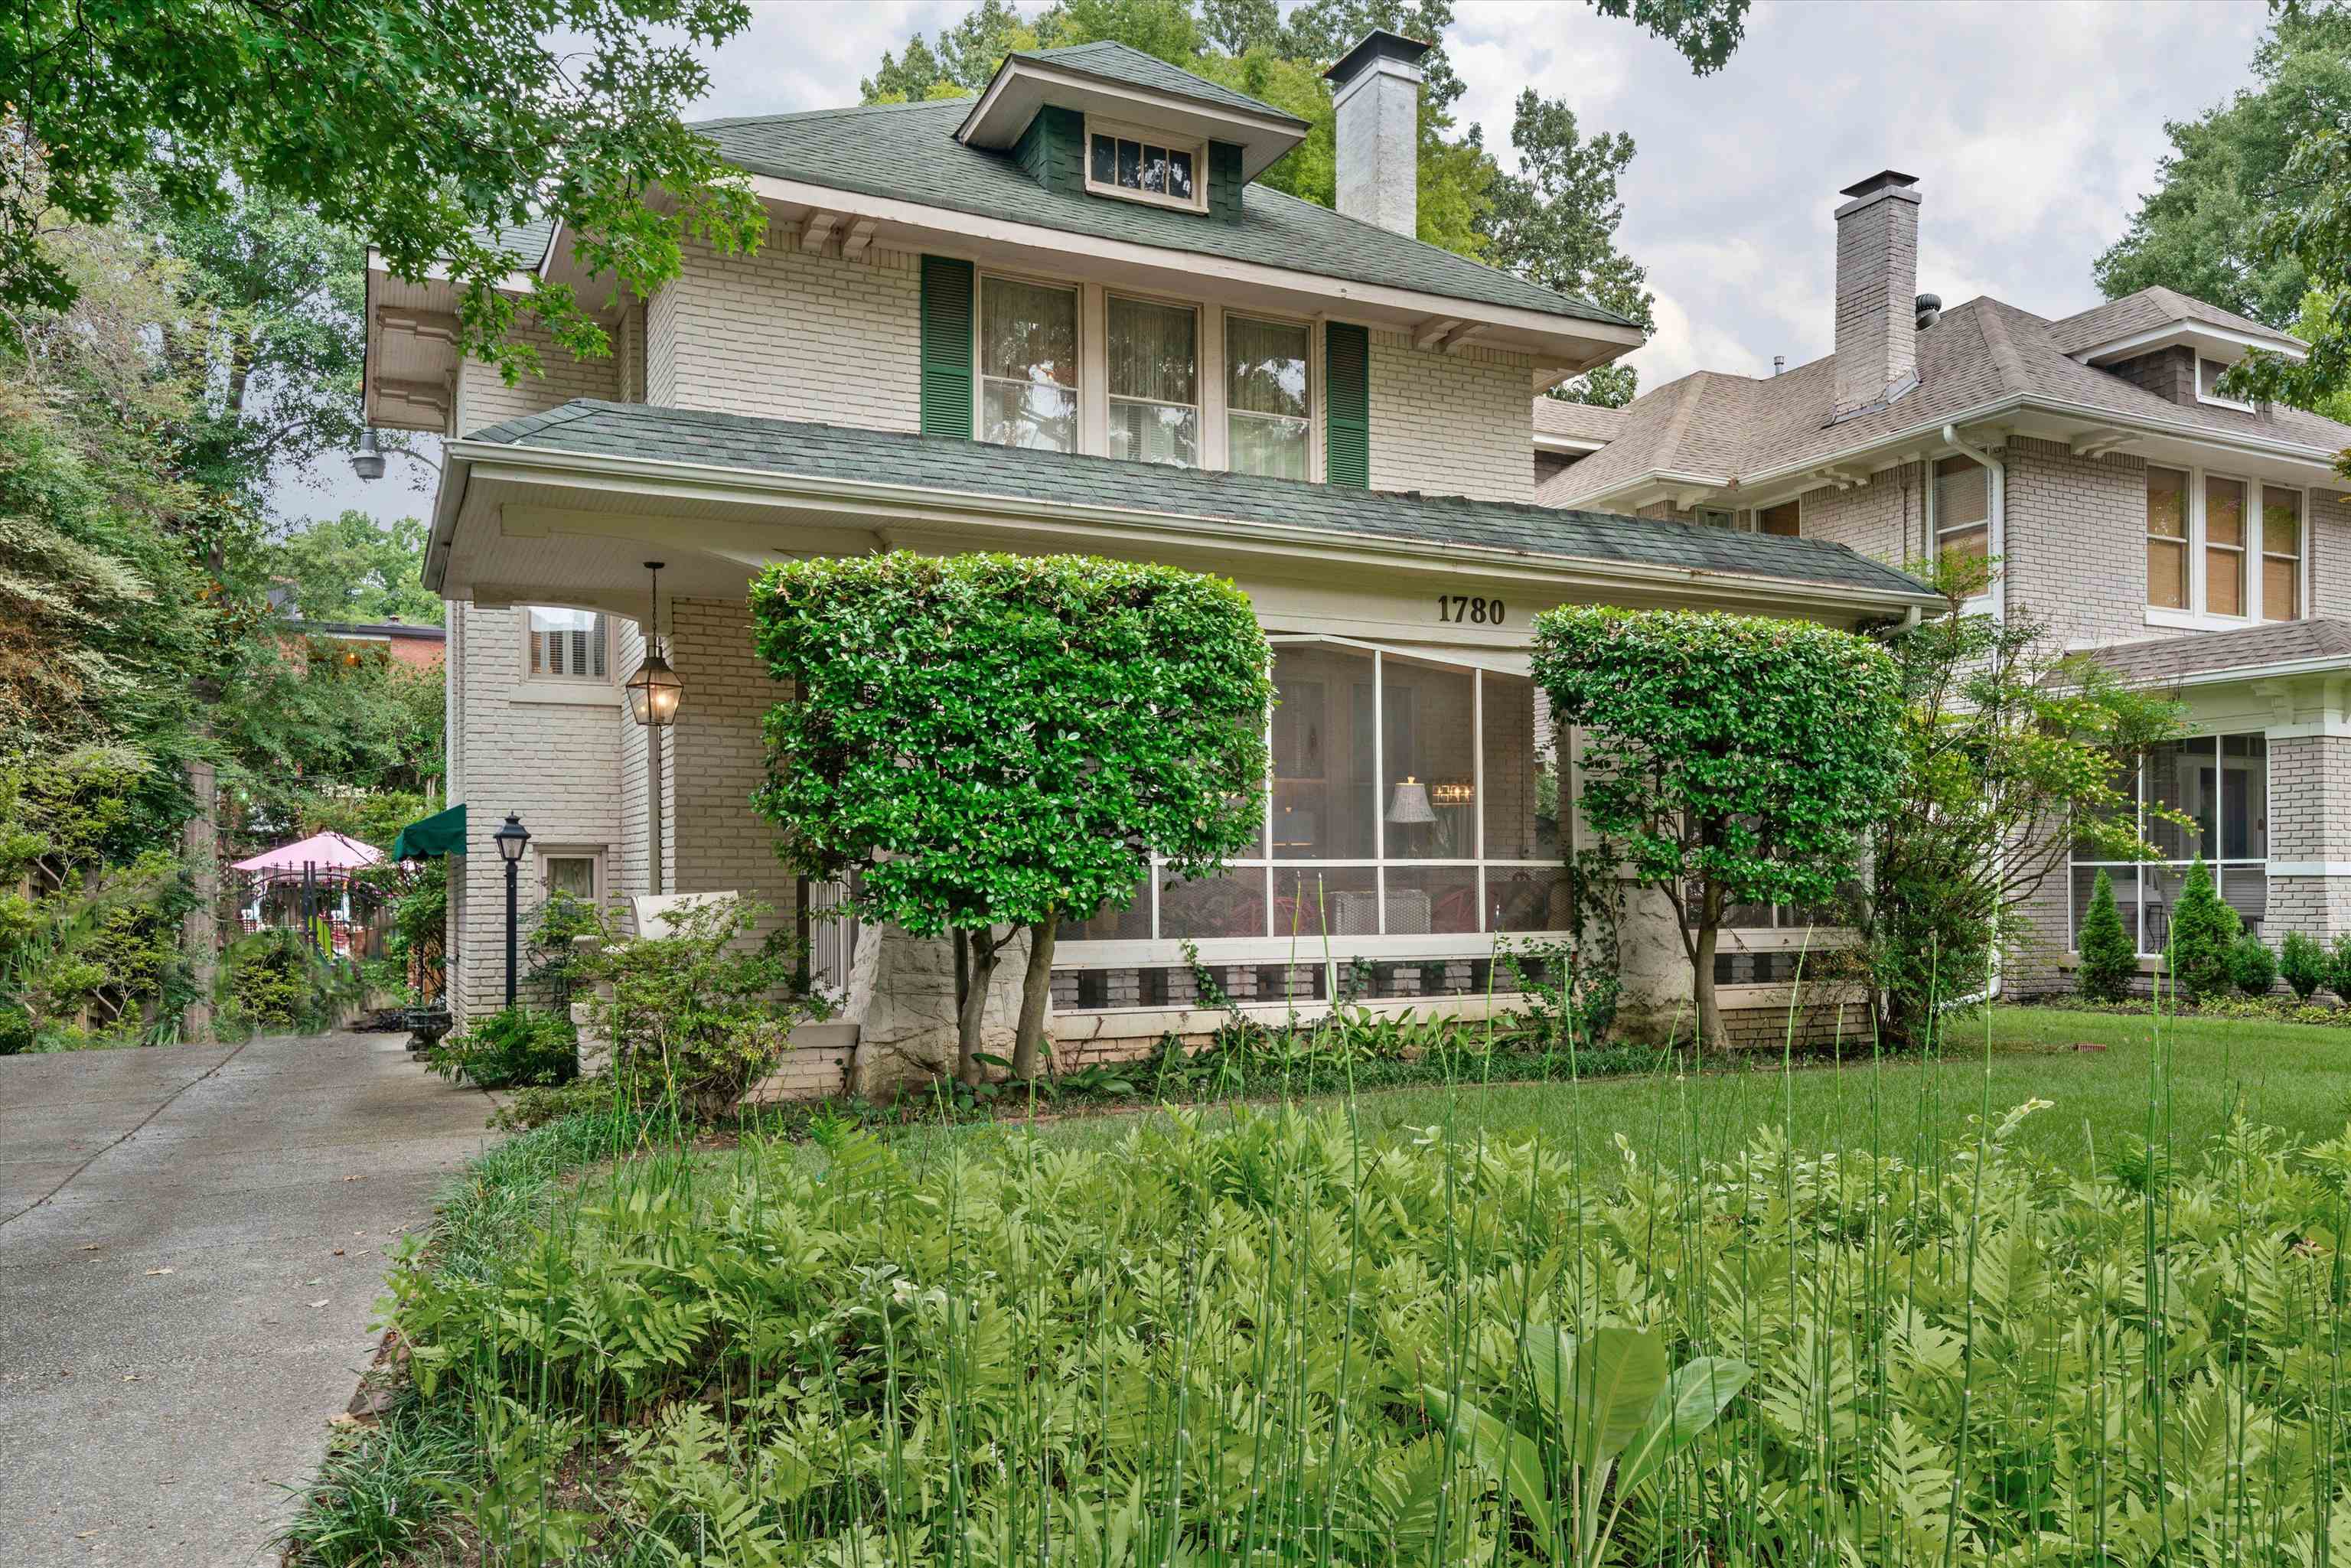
x: 1106, y: 120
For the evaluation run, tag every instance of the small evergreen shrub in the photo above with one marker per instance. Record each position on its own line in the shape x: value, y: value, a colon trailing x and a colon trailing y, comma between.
x: 514, y: 1048
x: 2252, y: 966
x: 2303, y: 964
x: 2204, y: 932
x: 2338, y: 968
x: 2109, y: 957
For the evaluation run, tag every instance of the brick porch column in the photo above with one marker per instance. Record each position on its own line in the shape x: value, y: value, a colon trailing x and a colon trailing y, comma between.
x: 2310, y: 837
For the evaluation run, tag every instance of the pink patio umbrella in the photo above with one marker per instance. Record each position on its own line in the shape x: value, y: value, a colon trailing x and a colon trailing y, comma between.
x: 325, y: 855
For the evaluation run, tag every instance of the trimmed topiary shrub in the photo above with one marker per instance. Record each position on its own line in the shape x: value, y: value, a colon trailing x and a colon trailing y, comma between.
x: 2303, y: 965
x: 2204, y: 932
x: 2109, y: 957
x: 2338, y: 968
x: 2252, y: 966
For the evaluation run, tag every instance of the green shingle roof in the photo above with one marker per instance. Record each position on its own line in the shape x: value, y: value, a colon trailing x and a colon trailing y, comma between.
x: 1114, y: 61
x: 908, y: 152
x: 981, y: 470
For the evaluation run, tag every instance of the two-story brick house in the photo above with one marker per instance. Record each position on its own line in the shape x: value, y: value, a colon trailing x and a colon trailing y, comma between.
x: 1061, y: 317
x: 2190, y: 541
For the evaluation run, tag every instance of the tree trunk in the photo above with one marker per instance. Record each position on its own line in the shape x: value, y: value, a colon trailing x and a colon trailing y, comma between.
x: 973, y: 1008
x: 1710, y: 928
x: 1036, y: 992
x: 200, y: 927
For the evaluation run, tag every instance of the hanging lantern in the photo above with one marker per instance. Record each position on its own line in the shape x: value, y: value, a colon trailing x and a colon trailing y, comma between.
x: 654, y: 691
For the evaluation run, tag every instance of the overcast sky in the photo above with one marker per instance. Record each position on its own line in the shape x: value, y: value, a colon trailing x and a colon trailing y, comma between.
x: 2032, y: 126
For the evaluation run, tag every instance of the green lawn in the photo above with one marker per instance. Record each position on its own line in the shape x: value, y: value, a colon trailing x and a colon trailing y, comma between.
x: 2294, y: 1077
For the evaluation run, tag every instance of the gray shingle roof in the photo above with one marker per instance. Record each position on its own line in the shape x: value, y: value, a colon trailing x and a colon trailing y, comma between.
x: 1114, y: 61
x: 1724, y: 427
x: 908, y: 152
x: 980, y: 470
x: 1578, y: 421
x: 2150, y: 309
x: 2160, y: 660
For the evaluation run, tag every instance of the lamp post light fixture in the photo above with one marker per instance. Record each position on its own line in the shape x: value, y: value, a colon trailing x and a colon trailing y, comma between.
x: 368, y: 461
x: 654, y: 691
x: 511, y: 840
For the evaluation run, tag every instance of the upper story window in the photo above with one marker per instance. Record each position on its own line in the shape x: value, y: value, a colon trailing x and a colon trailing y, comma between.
x: 2222, y: 548
x: 1154, y: 381
x: 1142, y: 165
x: 1963, y: 508
x: 566, y: 644
x: 1027, y: 364
x: 2208, y: 380
x: 1781, y: 519
x: 1268, y: 397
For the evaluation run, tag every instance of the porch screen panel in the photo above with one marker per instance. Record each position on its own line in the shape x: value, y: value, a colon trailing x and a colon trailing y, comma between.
x: 1347, y: 402
x: 1521, y: 772
x: 946, y: 347
x: 1324, y: 777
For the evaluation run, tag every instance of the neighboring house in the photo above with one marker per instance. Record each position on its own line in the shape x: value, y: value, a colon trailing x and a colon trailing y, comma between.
x: 401, y: 641
x: 1062, y: 317
x: 2192, y: 542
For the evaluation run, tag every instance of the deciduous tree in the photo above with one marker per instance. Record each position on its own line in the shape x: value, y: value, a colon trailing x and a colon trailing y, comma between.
x: 1736, y: 759
x: 994, y: 742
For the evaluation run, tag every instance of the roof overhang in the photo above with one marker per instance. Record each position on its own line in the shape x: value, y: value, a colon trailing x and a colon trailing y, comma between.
x: 1022, y: 86
x: 744, y: 518
x: 2090, y: 431
x: 2223, y: 343
x: 1569, y: 445
x: 1562, y: 345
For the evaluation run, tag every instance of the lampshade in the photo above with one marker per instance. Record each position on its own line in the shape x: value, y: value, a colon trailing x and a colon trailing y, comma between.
x: 1410, y: 802
x: 510, y: 838
x: 654, y: 691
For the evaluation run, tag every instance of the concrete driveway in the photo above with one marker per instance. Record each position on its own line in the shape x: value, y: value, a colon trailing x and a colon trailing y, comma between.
x: 191, y: 1242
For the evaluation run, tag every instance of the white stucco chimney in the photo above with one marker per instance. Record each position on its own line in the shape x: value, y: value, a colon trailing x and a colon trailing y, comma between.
x: 1375, y: 91
x: 1877, y: 287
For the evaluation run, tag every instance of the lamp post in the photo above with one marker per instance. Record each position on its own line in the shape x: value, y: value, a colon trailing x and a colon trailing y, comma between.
x: 510, y: 840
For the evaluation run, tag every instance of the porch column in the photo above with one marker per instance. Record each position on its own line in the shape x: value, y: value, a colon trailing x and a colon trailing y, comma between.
x: 2309, y: 836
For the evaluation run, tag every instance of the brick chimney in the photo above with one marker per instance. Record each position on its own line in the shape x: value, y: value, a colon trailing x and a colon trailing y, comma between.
x: 1877, y: 285
x: 1375, y: 91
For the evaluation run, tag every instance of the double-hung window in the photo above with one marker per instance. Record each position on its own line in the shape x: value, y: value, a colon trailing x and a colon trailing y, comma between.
x: 1963, y: 508
x: 1027, y: 364
x: 565, y: 644
x: 1154, y: 381
x: 1268, y: 397
x: 2221, y: 548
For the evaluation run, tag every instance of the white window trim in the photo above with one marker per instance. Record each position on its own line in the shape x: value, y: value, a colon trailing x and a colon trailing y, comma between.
x: 2196, y: 617
x: 1123, y: 131
x: 593, y: 854
x: 2215, y: 398
x: 1227, y: 414
x: 1995, y: 524
x: 1203, y: 360
x: 529, y: 680
x: 979, y: 376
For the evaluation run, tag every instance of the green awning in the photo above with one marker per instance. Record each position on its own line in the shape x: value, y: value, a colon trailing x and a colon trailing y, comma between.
x: 441, y: 833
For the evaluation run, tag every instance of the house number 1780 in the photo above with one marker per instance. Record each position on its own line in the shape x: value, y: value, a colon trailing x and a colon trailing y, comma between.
x: 1456, y: 607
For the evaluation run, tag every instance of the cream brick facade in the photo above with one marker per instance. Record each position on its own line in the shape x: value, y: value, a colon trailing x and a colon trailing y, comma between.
x: 1450, y: 424
x: 483, y: 398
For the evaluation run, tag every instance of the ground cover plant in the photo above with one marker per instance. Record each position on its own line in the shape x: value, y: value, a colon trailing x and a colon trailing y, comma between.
x: 1212, y: 1336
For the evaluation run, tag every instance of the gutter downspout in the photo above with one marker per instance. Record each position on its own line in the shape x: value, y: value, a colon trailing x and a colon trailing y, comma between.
x: 1998, y: 513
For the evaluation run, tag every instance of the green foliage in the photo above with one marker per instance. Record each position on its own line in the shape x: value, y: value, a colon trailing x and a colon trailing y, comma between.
x: 2109, y: 954
x: 1736, y: 760
x: 698, y: 1014
x: 2302, y: 965
x: 272, y: 982
x: 514, y: 1048
x: 1272, y: 1337
x: 464, y: 125
x: 377, y: 1498
x: 2338, y: 968
x: 2013, y: 755
x: 2204, y: 932
x: 989, y: 740
x: 351, y: 568
x: 2252, y: 967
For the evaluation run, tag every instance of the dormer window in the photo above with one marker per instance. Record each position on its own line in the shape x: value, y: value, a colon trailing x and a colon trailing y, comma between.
x: 2208, y: 380
x: 1138, y: 164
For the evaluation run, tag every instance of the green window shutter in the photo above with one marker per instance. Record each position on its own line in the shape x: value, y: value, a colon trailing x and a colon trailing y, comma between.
x: 946, y: 346
x: 1347, y: 405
